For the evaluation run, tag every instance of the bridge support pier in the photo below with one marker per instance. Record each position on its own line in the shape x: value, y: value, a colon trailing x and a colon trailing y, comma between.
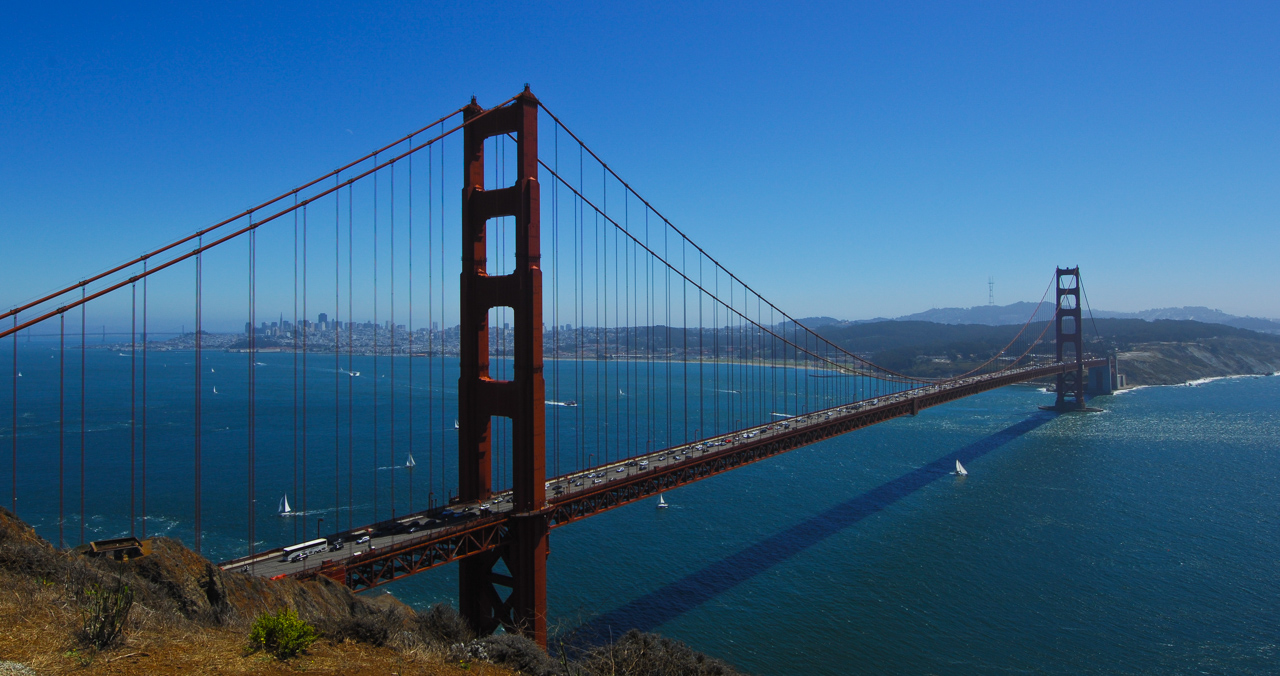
x: 524, y: 549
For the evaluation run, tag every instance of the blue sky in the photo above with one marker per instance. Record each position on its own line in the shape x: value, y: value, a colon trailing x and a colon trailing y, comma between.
x: 894, y: 155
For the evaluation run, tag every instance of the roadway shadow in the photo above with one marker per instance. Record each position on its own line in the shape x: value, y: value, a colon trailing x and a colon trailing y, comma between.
x: 658, y: 607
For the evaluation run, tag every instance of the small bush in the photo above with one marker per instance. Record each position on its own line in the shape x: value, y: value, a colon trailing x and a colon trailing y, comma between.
x: 641, y: 654
x: 508, y: 650
x: 104, y: 612
x: 375, y: 629
x: 442, y: 625
x: 282, y: 635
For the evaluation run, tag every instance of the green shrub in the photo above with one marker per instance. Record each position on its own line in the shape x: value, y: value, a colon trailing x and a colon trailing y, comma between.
x: 282, y: 635
x: 104, y: 613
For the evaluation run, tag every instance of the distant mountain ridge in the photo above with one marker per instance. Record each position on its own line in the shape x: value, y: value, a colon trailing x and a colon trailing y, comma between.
x: 1018, y: 313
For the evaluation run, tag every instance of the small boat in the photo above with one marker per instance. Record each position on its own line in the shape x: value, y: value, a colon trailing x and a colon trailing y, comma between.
x: 455, y: 423
x: 410, y: 463
x: 960, y: 470
x: 215, y: 389
x: 284, y: 506
x: 621, y: 393
x: 567, y: 403
x: 662, y: 504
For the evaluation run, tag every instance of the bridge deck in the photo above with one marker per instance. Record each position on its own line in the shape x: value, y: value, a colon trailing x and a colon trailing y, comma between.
x: 416, y: 542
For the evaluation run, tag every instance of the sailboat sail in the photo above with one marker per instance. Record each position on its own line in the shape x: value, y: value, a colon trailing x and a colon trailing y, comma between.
x: 662, y: 504
x: 284, y: 505
x: 410, y: 463
x: 960, y: 470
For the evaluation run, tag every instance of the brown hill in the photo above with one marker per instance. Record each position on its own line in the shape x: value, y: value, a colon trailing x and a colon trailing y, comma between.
x: 190, y: 617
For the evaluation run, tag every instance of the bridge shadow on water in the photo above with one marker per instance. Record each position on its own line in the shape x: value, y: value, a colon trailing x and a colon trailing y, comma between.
x: 658, y: 607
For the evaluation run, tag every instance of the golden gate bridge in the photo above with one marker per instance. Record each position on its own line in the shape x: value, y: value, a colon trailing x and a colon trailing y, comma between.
x: 658, y: 368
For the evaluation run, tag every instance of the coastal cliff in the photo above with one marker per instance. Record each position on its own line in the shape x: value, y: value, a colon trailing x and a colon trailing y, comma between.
x: 1175, y: 363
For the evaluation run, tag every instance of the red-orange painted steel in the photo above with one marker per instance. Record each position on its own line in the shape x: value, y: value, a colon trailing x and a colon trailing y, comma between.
x: 480, y: 397
x: 1068, y: 308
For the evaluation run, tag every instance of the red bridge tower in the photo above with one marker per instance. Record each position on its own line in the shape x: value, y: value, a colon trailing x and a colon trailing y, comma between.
x: 1068, y: 335
x: 480, y: 397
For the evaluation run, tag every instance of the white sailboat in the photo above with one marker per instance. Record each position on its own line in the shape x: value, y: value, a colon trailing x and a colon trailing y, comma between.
x: 285, y: 510
x: 960, y: 470
x: 215, y: 389
x: 410, y: 463
x: 455, y: 423
x: 662, y: 504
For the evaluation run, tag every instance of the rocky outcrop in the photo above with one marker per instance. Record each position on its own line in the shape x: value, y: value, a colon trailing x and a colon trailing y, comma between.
x: 1174, y: 363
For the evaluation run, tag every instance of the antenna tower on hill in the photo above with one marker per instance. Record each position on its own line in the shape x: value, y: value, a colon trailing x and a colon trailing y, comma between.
x: 991, y: 291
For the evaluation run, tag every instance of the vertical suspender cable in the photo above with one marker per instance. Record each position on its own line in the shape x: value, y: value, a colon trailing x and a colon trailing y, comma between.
x: 432, y: 337
x: 579, y: 301
x: 133, y: 406
x: 351, y: 434
x: 62, y: 440
x: 142, y: 493
x: 443, y: 227
x: 337, y: 354
x: 83, y: 336
x: 198, y: 430
x: 407, y: 463
x: 251, y: 437
x: 555, y: 302
x: 293, y: 334
x: 392, y: 385
x: 13, y: 428
x: 375, y: 341
x: 625, y: 324
x: 648, y: 320
x: 302, y: 328
x: 684, y: 332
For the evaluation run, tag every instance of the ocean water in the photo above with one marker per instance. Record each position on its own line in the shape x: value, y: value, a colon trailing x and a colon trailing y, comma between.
x: 1143, y: 539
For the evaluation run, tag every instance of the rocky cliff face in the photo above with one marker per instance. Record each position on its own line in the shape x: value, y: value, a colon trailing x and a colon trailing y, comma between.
x: 1174, y: 363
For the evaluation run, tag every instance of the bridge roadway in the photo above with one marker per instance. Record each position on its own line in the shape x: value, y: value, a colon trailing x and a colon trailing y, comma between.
x: 412, y: 543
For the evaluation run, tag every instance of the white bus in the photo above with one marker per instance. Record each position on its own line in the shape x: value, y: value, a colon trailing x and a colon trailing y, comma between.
x: 299, y: 551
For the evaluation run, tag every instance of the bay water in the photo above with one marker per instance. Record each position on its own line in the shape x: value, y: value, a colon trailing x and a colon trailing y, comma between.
x: 1141, y: 540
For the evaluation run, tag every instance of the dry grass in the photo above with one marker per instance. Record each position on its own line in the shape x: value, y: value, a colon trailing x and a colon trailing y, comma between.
x: 189, y: 618
x: 39, y: 622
